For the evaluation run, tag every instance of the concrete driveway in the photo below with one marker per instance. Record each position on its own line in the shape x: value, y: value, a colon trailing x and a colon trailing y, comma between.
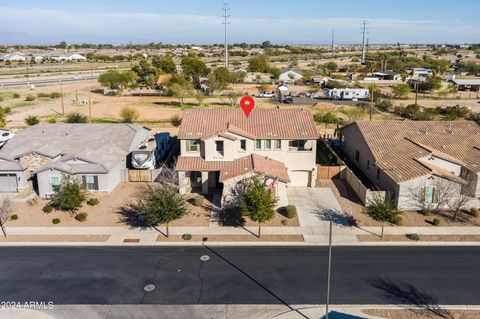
x: 313, y: 205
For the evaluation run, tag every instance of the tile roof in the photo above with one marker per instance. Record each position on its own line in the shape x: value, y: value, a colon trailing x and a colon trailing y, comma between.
x: 397, y: 145
x: 261, y: 124
x: 248, y: 164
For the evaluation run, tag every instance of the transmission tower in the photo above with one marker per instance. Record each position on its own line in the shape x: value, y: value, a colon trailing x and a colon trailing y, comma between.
x: 364, y: 32
x: 226, y: 15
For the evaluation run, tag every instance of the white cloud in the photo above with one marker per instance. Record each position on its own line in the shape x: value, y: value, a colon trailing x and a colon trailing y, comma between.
x: 49, y: 25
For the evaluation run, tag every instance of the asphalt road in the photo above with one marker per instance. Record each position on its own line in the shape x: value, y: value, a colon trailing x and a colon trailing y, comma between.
x: 44, y: 81
x: 234, y: 275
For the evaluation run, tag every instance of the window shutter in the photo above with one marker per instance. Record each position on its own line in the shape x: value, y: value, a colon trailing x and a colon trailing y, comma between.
x: 95, y: 182
x: 84, y: 181
x: 422, y: 194
x: 435, y: 195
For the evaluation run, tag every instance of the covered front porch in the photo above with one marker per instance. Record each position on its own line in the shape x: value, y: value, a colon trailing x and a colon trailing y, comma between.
x: 202, y: 182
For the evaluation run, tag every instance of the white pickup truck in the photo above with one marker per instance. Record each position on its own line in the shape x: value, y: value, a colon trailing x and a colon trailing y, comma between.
x: 267, y: 94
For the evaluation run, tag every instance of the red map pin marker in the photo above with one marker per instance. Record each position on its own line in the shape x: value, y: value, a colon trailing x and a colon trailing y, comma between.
x: 247, y: 103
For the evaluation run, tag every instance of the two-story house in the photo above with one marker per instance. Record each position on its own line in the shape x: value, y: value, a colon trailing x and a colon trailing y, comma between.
x: 220, y: 147
x: 416, y: 162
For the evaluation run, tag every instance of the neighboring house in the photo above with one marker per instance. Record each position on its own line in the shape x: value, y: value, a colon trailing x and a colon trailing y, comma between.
x: 290, y: 76
x: 414, y: 161
x: 467, y: 84
x: 13, y: 57
x: 45, y: 153
x: 220, y: 147
x: 388, y: 75
x: 68, y: 57
x: 420, y: 74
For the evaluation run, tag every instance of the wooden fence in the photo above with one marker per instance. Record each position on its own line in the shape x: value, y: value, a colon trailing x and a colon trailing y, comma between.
x: 329, y: 172
x: 142, y: 175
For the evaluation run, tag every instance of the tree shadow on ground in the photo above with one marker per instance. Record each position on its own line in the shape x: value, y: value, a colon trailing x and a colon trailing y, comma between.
x: 337, y: 217
x: 231, y: 217
x: 408, y: 295
x: 129, y: 215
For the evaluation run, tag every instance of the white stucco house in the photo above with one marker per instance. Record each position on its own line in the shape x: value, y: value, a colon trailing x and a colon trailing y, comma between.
x: 290, y: 76
x: 416, y: 162
x: 220, y: 147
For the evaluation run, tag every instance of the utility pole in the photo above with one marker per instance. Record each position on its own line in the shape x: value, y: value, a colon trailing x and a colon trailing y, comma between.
x: 416, y: 92
x: 90, y: 96
x: 333, y: 44
x: 226, y: 15
x: 363, y: 41
x: 61, y: 96
x: 329, y: 269
x: 131, y: 62
x: 371, y: 102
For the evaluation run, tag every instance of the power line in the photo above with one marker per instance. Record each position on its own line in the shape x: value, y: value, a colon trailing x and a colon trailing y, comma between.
x: 226, y: 15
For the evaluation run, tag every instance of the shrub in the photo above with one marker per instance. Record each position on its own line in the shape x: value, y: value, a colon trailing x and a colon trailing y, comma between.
x: 397, y: 220
x: 70, y: 196
x: 198, y: 200
x: 473, y: 212
x: 291, y: 211
x: 52, y: 121
x: 32, y: 120
x: 425, y: 212
x: 55, y: 221
x: 16, y: 95
x: 14, y: 217
x: 76, y: 117
x: 30, y: 98
x: 176, y: 120
x: 1, y: 99
x: 414, y: 237
x: 436, y: 222
x: 93, y: 201
x: 129, y: 115
x: 81, y: 217
x: 186, y: 236
x: 47, y: 209
x: 284, y: 222
x: 41, y: 94
x: 55, y: 95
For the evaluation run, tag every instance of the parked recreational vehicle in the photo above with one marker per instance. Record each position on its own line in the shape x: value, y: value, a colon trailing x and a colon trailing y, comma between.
x: 147, y: 157
x: 347, y: 94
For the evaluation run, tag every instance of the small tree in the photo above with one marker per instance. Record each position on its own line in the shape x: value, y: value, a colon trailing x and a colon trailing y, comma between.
x: 76, y: 117
x: 257, y: 202
x: 70, y: 196
x: 457, y: 203
x: 233, y: 97
x: 181, y: 91
x: 200, y: 97
x: 32, y: 120
x: 175, y: 120
x: 129, y: 115
x: 382, y: 210
x: 401, y: 90
x: 163, y: 204
x: 6, y: 210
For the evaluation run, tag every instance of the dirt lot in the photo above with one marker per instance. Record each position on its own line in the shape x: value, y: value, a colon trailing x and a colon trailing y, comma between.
x: 421, y: 314
x: 110, y: 212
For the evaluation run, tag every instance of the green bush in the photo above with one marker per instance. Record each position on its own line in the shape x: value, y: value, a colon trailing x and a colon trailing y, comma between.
x: 16, y: 95
x: 414, y: 237
x: 70, y: 196
x: 30, y: 98
x: 436, y: 222
x: 41, y: 94
x: 55, y: 95
x: 1, y: 99
x: 93, y: 201
x: 76, y: 117
x: 425, y: 212
x: 47, y: 209
x: 81, y: 217
x: 32, y: 120
x: 176, y: 120
x: 55, y: 221
x: 14, y: 217
x: 397, y: 220
x: 284, y: 222
x: 198, y: 200
x: 290, y: 211
x: 52, y: 121
x: 186, y: 236
x: 473, y: 212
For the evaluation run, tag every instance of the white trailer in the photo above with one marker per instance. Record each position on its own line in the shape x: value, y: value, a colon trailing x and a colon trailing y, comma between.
x: 347, y: 94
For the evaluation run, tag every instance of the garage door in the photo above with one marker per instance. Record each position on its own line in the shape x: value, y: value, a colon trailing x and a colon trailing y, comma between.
x: 8, y: 183
x: 300, y: 178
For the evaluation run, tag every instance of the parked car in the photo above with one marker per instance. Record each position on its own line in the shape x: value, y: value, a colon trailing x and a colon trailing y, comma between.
x: 287, y: 100
x: 267, y: 94
x: 5, y: 136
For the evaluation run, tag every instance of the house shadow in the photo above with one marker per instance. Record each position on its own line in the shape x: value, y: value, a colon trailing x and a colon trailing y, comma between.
x: 231, y: 217
x: 408, y: 295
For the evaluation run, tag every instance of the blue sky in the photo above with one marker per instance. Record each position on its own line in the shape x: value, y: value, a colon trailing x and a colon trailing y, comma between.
x: 189, y: 21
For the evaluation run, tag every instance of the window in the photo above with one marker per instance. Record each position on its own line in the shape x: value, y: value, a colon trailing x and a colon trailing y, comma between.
x: 378, y: 173
x: 243, y: 145
x: 192, y: 146
x: 219, y: 146
x: 357, y: 155
x: 196, y: 178
x: 297, y: 145
x: 430, y: 195
x: 368, y: 164
x: 268, y: 144
x: 55, y: 182
x: 258, y: 144
x: 278, y: 144
x: 90, y: 182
